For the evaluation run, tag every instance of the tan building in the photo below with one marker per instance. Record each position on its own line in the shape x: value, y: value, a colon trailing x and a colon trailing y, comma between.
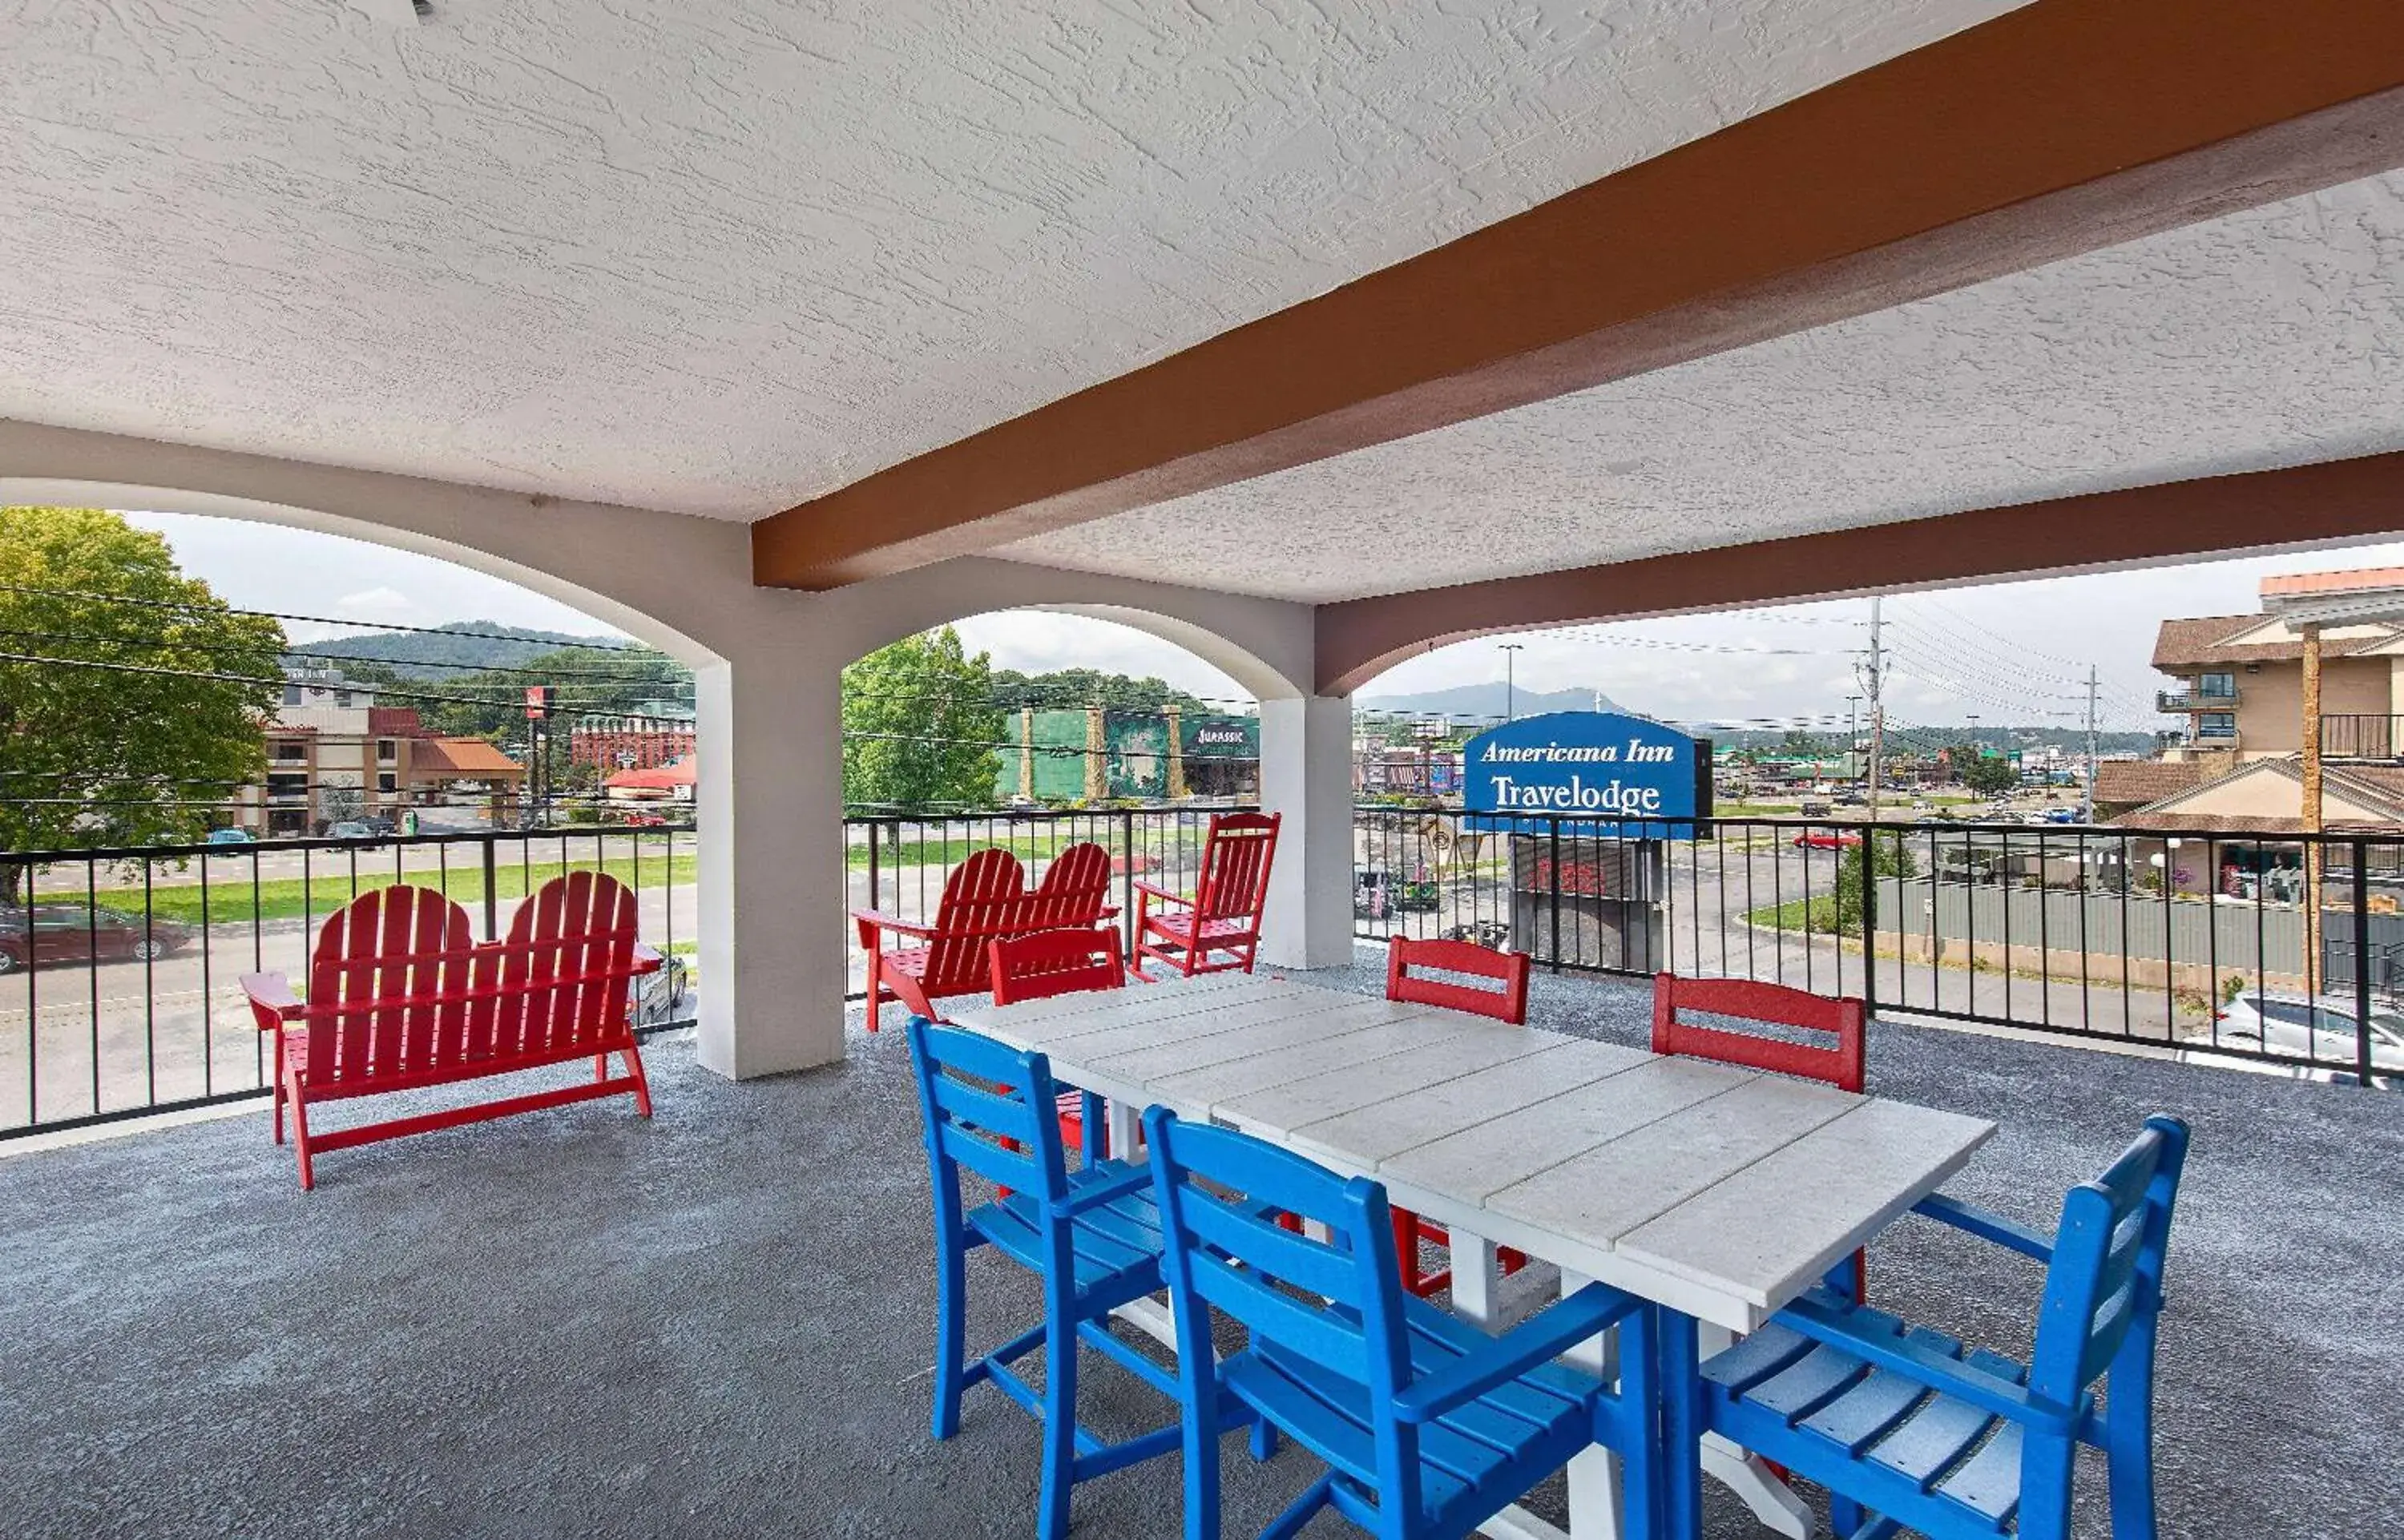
x: 2238, y: 689
x: 334, y: 754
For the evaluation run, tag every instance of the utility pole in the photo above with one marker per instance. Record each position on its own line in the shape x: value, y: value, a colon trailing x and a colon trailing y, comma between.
x: 2087, y: 810
x: 1873, y: 684
x: 1510, y: 695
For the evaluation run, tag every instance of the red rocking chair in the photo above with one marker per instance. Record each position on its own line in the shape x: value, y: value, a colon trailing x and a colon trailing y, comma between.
x: 1223, y: 915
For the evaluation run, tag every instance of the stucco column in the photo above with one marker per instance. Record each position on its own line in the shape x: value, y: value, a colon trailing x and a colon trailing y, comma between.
x: 1307, y: 775
x: 772, y: 878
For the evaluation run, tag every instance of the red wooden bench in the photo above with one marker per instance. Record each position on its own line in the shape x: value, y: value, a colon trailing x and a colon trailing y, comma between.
x: 401, y: 996
x: 985, y: 899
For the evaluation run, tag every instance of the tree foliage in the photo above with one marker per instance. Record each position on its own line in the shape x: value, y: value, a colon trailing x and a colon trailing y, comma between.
x: 1989, y: 775
x: 919, y: 725
x: 1078, y: 688
x: 142, y: 751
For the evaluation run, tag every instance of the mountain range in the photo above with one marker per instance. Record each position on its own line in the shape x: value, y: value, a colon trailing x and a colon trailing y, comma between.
x: 433, y: 653
x: 1489, y: 699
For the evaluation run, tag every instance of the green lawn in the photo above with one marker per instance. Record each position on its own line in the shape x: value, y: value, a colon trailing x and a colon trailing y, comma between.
x: 323, y: 892
x: 1818, y: 914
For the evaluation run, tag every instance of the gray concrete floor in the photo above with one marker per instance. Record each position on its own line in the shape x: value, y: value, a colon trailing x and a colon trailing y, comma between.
x: 718, y: 1324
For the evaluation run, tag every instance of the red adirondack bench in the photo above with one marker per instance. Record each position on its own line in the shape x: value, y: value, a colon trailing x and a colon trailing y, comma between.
x: 985, y: 899
x: 1223, y: 913
x: 402, y: 996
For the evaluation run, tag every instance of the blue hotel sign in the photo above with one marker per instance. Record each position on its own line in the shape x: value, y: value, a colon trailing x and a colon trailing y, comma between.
x: 1617, y: 777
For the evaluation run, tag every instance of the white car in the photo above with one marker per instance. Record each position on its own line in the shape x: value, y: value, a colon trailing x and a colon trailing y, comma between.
x: 2324, y: 1031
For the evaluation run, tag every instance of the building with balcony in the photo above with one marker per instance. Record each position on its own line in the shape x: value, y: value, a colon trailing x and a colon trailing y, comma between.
x: 2238, y: 689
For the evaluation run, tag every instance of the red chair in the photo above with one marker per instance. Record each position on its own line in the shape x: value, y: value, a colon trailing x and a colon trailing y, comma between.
x: 986, y: 897
x: 1044, y: 963
x: 1839, y: 1062
x: 402, y: 997
x: 1223, y: 915
x: 1507, y: 1003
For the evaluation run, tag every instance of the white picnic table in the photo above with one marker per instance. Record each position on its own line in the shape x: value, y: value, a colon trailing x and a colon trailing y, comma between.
x: 1719, y: 1192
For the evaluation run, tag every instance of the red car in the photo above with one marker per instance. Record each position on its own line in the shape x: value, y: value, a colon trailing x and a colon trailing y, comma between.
x: 1826, y: 839
x: 69, y: 933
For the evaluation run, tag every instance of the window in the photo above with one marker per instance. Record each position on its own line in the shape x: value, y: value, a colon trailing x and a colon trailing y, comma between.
x: 387, y: 781
x: 288, y: 751
x: 2220, y: 686
x: 387, y: 752
x: 292, y: 695
x: 287, y: 786
x: 2215, y: 724
x: 342, y: 700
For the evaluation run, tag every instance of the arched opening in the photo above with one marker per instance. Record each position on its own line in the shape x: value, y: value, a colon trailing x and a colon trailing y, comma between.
x: 388, y: 753
x: 1034, y: 731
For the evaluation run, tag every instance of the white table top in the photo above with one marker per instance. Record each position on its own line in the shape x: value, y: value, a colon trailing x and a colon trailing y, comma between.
x: 1718, y: 1190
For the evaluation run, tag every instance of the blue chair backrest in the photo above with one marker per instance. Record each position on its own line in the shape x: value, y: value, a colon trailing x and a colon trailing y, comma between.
x: 2105, y: 1279
x: 987, y: 1108
x: 1337, y: 1303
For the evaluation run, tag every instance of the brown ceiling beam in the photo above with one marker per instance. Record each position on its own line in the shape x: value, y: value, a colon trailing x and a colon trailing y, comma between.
x: 2335, y: 500
x: 2057, y: 127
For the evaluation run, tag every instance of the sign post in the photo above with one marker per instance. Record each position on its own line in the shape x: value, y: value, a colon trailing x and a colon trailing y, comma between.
x: 1589, y: 800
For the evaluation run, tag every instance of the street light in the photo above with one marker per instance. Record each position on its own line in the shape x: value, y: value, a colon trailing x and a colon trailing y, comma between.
x: 1510, y: 693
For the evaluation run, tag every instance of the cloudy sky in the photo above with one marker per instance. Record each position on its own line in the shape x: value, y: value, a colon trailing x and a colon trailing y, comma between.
x: 2008, y: 652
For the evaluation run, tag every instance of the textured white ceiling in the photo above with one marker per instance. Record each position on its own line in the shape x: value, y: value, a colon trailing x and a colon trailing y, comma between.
x: 2269, y: 338
x: 718, y: 257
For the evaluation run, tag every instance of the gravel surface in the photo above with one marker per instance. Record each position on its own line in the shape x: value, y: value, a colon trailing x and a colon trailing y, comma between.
x: 719, y: 1322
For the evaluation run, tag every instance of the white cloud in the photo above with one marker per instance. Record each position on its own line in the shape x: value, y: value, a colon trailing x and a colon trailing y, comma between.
x: 376, y: 601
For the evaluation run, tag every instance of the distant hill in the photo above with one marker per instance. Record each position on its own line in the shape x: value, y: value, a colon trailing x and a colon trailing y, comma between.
x: 1487, y: 700
x: 435, y: 654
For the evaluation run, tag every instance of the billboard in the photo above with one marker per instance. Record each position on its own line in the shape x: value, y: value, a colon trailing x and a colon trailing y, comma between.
x: 1617, y: 777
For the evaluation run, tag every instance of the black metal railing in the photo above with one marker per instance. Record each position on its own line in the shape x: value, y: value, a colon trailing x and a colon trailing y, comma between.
x: 2359, y: 736
x: 120, y: 969
x: 2196, y: 700
x: 2195, y: 941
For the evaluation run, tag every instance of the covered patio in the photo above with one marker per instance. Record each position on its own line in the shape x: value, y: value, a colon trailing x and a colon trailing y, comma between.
x: 1307, y: 338
x: 718, y: 1322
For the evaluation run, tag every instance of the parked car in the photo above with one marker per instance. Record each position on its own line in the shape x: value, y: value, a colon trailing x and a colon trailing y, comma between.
x: 69, y: 933
x: 643, y: 820
x: 2325, y: 1031
x: 231, y: 836
x: 1826, y: 839
x: 352, y: 829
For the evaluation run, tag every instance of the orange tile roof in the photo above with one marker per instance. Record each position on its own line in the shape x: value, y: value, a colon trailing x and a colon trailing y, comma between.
x: 2366, y: 578
x: 2145, y: 781
x: 460, y: 757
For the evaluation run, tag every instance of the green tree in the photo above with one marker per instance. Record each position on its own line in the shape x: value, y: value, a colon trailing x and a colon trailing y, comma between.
x: 1886, y: 853
x: 1078, y: 688
x: 920, y: 726
x: 1988, y: 775
x: 120, y: 722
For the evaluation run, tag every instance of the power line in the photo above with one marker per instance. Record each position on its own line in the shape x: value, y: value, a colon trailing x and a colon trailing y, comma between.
x: 190, y: 605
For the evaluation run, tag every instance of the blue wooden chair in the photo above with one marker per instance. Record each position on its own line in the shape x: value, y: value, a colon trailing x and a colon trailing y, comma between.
x: 1906, y: 1430
x: 1428, y: 1426
x: 1092, y: 1236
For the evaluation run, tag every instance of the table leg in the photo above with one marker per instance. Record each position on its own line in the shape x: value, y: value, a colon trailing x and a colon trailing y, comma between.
x: 1682, y: 1416
x: 1774, y: 1502
x: 1473, y: 1276
x: 1126, y: 1142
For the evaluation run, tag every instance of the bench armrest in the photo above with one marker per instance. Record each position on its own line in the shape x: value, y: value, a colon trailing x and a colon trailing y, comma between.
x: 1532, y: 1344
x: 1162, y: 893
x: 1986, y: 1225
x: 271, y: 1001
x: 647, y: 961
x: 1989, y: 1393
x: 872, y: 920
